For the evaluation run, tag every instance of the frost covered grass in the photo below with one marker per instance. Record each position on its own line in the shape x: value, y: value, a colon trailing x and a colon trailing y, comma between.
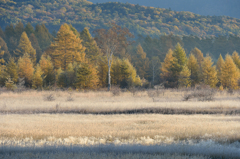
x: 178, y: 127
x: 168, y: 102
x: 181, y: 150
x: 101, y: 125
x: 76, y: 155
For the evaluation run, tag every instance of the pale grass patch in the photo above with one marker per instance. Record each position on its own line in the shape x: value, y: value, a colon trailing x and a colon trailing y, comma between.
x: 196, y: 135
x: 178, y: 127
x: 105, y: 101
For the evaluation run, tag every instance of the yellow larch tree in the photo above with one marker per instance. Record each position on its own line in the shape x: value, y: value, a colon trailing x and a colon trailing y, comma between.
x: 12, y: 70
x: 25, y: 69
x: 141, y: 62
x: 86, y: 77
x: 236, y: 59
x: 230, y: 73
x: 37, y: 80
x: 2, y: 61
x: 66, y: 48
x: 184, y: 77
x: 199, y: 56
x: 24, y: 47
x: 209, y: 72
x: 166, y: 65
x: 124, y: 74
x: 220, y: 64
x: 48, y: 70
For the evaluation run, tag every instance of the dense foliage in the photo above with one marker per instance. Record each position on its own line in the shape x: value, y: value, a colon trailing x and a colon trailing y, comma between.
x: 73, y: 59
x: 203, y: 7
x: 139, y: 19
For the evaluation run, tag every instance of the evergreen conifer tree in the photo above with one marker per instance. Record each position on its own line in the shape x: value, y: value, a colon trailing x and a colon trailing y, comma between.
x: 3, y: 75
x: 166, y: 65
x: 220, y: 64
x: 179, y: 60
x: 184, y: 77
x: 66, y: 49
x: 58, y: 80
x: 29, y: 29
x: 24, y: 47
x: 36, y: 46
x: 2, y: 61
x: 12, y: 70
x: 11, y: 39
x: 86, y: 77
x: 43, y: 36
x: 194, y: 69
x: 37, y: 80
x: 230, y: 73
x: 9, y: 84
x: 236, y: 59
x: 209, y: 72
x: 198, y: 55
x: 19, y: 28
x: 124, y: 74
x: 48, y: 71
x: 4, y: 48
x: 25, y: 69
x: 2, y: 35
x: 92, y: 51
x: 102, y: 70
x: 141, y: 62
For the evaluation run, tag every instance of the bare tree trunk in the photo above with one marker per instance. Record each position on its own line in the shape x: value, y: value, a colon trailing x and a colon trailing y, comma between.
x: 109, y: 75
x: 153, y: 74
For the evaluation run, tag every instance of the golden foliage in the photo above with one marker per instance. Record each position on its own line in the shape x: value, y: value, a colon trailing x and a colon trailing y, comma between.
x: 230, y: 73
x: 184, y: 77
x: 166, y: 65
x: 209, y: 72
x: 194, y: 69
x: 220, y: 64
x: 24, y: 47
x: 37, y: 81
x: 66, y: 49
x: 25, y: 68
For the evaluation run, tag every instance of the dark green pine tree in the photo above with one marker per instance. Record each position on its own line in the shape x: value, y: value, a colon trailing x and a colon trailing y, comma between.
x: 125, y: 75
x: 43, y: 36
x: 11, y: 39
x: 83, y: 72
x: 19, y: 29
x: 12, y: 70
x: 36, y: 46
x: 2, y: 35
x: 9, y: 31
x: 29, y: 29
x: 4, y: 48
x: 92, y: 50
x: 179, y: 60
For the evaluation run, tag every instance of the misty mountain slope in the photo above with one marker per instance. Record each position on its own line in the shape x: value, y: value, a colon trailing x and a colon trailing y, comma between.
x: 203, y: 7
x: 139, y: 19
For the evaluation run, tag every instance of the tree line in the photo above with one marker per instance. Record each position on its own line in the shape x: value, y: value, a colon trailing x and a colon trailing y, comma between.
x: 72, y: 59
x: 178, y: 70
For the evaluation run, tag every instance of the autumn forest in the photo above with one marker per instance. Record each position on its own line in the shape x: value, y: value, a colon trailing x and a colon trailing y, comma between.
x: 34, y: 58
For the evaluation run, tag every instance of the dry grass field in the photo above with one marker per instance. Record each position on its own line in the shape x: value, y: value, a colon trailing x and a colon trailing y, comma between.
x: 137, y: 126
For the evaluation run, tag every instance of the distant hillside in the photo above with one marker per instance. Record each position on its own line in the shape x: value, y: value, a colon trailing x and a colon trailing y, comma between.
x: 203, y: 7
x: 139, y: 19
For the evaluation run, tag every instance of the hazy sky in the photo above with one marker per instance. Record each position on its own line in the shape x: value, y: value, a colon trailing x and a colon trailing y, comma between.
x: 203, y: 7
